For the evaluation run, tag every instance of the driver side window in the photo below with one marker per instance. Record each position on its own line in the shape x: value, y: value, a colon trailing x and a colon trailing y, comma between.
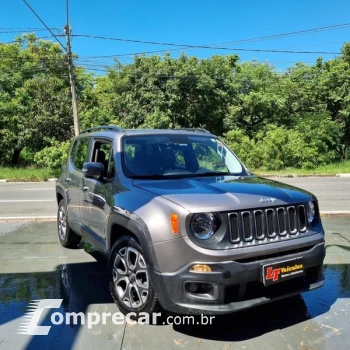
x: 79, y: 153
x: 103, y: 153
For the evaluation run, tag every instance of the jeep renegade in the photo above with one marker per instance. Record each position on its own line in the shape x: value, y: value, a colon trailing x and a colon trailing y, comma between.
x: 184, y: 224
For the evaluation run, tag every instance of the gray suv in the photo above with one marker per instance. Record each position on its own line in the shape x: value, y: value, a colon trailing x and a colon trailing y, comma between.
x: 184, y: 224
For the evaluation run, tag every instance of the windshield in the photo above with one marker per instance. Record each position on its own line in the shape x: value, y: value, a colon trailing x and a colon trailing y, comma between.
x: 167, y: 156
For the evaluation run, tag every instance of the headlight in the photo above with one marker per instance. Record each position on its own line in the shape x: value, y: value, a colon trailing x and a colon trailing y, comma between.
x: 310, y: 212
x: 203, y: 225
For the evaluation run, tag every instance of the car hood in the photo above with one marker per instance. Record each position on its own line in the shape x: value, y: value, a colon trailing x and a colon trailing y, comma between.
x: 225, y: 193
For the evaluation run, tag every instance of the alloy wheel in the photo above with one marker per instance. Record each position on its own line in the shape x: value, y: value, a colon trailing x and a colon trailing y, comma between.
x: 62, y: 223
x: 130, y: 277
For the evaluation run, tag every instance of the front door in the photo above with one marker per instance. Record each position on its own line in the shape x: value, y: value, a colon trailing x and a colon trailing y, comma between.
x: 97, y: 196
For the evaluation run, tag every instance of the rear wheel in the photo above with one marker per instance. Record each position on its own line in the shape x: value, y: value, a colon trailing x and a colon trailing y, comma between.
x: 129, y: 280
x: 68, y: 238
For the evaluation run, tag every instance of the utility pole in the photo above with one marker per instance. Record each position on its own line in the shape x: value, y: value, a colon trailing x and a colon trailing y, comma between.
x: 67, y: 31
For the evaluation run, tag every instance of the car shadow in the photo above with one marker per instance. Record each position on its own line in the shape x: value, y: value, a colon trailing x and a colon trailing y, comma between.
x: 86, y: 283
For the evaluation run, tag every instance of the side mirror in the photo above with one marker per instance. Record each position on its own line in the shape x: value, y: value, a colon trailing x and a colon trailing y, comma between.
x: 93, y: 170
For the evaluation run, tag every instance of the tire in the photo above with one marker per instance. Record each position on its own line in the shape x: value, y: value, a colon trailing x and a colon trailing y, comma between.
x: 129, y: 280
x: 68, y: 238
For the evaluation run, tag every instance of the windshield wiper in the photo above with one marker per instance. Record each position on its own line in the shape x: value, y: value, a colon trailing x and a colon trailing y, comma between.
x: 214, y: 173
x: 151, y: 177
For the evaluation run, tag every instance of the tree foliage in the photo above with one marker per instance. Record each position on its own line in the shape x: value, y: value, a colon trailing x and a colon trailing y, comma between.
x: 298, y: 118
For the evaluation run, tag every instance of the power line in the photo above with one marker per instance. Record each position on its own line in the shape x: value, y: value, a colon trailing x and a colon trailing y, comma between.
x: 25, y: 31
x: 197, y: 46
x: 17, y: 42
x: 187, y: 46
x: 299, y: 32
x: 228, y: 49
x: 44, y: 24
x: 211, y: 46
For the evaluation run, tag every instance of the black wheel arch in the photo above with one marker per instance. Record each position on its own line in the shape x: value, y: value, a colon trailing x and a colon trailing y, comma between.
x: 59, y: 194
x: 121, y: 225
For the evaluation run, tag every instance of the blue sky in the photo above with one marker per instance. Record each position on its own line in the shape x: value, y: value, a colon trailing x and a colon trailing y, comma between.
x: 188, y: 22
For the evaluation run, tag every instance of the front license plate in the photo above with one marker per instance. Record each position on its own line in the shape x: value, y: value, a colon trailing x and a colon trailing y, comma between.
x: 282, y: 271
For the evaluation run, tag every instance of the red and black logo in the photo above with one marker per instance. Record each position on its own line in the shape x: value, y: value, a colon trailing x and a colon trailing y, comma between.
x: 272, y: 274
x: 282, y: 271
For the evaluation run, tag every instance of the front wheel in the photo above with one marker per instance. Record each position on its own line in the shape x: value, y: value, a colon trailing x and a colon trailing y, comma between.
x: 129, y: 280
x: 68, y: 238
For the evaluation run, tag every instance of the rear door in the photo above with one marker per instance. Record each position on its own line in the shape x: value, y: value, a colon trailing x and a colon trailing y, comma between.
x: 98, y: 194
x: 78, y: 156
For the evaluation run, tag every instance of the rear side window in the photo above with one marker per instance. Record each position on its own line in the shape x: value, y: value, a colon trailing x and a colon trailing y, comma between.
x: 79, y: 152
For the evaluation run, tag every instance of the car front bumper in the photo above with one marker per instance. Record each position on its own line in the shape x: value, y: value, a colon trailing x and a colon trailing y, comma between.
x: 236, y: 285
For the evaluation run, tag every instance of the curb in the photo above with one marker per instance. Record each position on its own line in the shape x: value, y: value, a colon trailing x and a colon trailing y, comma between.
x: 53, y: 179
x: 28, y: 218
x: 301, y: 176
x: 335, y: 213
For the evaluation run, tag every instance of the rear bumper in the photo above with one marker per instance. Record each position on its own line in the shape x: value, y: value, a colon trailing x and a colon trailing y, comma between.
x: 236, y: 285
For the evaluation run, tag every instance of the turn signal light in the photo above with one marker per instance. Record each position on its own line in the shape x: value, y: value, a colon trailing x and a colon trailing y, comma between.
x: 174, y: 221
x: 200, y: 268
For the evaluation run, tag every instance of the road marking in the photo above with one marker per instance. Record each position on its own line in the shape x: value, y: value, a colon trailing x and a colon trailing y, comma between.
x: 37, y: 189
x: 25, y: 200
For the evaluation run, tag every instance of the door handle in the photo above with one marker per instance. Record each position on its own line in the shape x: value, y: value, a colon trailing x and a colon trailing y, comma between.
x: 84, y: 188
x: 67, y: 180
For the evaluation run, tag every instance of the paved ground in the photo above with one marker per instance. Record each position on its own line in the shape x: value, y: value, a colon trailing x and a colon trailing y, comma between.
x: 333, y: 193
x: 34, y: 266
x: 27, y: 200
x: 37, y: 200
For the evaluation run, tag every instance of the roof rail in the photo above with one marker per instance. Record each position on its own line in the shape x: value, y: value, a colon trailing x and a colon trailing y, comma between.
x: 103, y: 127
x: 194, y: 130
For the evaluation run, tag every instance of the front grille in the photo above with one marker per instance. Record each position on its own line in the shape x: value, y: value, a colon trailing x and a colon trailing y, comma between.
x: 292, y: 220
x: 267, y: 223
x: 234, y: 223
x: 259, y: 224
x: 281, y: 222
x: 271, y: 223
x: 247, y: 226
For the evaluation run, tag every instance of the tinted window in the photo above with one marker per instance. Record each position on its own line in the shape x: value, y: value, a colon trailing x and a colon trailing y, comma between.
x: 80, y: 152
x: 178, y: 155
x: 103, y: 153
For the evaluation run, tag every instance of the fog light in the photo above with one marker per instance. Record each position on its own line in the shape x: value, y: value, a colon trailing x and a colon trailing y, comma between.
x: 192, y: 287
x: 201, y: 290
x: 200, y: 268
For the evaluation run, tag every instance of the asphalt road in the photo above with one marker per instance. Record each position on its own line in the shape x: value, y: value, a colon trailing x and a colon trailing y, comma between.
x: 37, y: 200
x: 27, y: 200
x: 34, y: 266
x: 333, y: 193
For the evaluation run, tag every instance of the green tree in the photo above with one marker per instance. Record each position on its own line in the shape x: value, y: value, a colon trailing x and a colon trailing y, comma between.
x: 34, y: 96
x: 165, y: 93
x: 259, y: 98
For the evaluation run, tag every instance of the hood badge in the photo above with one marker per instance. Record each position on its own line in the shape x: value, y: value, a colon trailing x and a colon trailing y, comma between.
x: 267, y: 200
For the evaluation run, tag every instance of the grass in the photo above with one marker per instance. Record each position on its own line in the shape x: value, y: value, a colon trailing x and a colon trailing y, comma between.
x: 26, y: 174
x: 41, y: 174
x: 329, y: 169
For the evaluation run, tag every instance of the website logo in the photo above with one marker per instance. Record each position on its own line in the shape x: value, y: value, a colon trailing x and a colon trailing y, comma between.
x: 31, y: 318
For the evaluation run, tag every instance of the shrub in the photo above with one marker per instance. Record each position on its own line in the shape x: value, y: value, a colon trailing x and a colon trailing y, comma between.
x: 241, y: 144
x: 279, y: 148
x: 54, y: 156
